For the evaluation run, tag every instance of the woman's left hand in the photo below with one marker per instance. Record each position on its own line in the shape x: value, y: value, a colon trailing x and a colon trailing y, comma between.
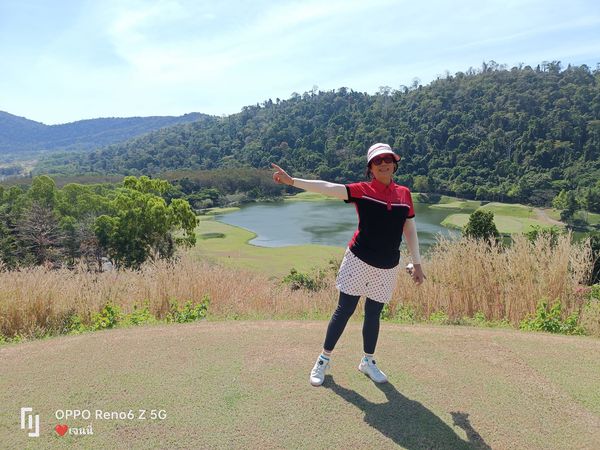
x: 281, y: 176
x: 417, y: 274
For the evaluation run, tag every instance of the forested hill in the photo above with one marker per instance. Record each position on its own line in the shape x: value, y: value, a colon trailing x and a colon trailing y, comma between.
x: 18, y: 134
x: 519, y: 134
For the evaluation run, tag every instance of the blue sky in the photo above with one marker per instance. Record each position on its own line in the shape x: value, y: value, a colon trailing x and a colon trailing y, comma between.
x: 69, y: 60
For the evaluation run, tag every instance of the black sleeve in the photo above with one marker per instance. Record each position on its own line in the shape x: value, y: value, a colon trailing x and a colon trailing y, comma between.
x: 350, y: 199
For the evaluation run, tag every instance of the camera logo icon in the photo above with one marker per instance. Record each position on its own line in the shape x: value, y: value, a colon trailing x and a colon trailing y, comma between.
x: 30, y: 421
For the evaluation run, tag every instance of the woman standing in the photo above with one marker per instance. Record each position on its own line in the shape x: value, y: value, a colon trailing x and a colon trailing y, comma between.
x: 371, y: 263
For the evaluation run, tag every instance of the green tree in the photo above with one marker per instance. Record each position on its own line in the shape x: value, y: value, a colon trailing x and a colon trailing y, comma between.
x: 481, y: 226
x: 571, y: 206
x: 70, y: 239
x: 142, y: 225
x: 12, y: 204
x: 421, y: 184
x: 80, y: 201
x: 43, y: 191
x: 560, y: 201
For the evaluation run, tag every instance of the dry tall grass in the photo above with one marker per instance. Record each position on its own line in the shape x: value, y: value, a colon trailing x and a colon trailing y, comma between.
x: 36, y: 301
x: 470, y: 276
x: 464, y: 277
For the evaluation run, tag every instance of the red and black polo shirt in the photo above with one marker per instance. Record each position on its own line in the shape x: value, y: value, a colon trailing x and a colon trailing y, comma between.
x: 382, y: 211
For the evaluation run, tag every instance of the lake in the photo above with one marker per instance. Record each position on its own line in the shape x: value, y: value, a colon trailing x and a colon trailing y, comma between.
x: 327, y: 222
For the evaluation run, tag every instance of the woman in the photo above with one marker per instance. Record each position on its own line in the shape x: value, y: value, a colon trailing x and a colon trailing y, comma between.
x: 371, y: 263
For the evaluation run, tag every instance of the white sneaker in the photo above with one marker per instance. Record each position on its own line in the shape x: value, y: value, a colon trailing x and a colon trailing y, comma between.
x: 317, y: 374
x: 370, y: 369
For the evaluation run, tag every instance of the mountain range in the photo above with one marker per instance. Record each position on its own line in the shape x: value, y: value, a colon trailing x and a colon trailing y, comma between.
x: 21, y: 135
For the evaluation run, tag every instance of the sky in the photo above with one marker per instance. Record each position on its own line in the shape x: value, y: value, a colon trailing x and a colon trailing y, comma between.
x: 67, y: 60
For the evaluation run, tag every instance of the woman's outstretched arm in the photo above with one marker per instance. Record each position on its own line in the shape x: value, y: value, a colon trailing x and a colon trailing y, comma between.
x: 322, y: 187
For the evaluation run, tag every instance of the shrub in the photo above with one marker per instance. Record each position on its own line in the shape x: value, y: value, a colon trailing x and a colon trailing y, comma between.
x: 75, y: 325
x: 140, y: 315
x: 406, y: 314
x: 189, y: 312
x: 595, y: 292
x: 386, y: 312
x: 548, y: 319
x: 479, y: 320
x: 11, y: 340
x: 298, y: 280
x: 552, y: 233
x: 439, y: 317
x: 402, y: 313
x: 107, y: 318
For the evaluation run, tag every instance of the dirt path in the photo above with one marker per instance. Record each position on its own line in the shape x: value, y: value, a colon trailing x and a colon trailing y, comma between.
x: 245, y: 385
x: 543, y: 216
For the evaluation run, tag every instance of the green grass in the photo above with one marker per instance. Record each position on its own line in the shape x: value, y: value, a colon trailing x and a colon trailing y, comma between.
x: 511, y: 210
x: 509, y: 218
x: 228, y: 245
x: 552, y: 213
x: 308, y: 197
x: 505, y: 224
x: 593, y: 218
x: 455, y: 203
x: 456, y: 221
x: 511, y: 225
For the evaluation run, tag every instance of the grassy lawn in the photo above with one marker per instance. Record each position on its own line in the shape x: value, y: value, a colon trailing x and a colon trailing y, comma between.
x: 505, y: 224
x: 510, y: 210
x: 225, y: 385
x: 553, y: 213
x: 228, y: 245
x: 509, y: 218
x: 456, y: 221
x: 308, y: 197
x: 455, y: 203
x: 593, y: 218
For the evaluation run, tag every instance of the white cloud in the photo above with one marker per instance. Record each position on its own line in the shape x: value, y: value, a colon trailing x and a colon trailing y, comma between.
x: 123, y: 57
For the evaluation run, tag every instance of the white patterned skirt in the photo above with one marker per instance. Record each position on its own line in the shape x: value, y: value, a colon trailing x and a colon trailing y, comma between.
x: 356, y: 277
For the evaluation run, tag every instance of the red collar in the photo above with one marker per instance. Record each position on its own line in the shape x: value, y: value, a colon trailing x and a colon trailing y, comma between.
x: 380, y: 187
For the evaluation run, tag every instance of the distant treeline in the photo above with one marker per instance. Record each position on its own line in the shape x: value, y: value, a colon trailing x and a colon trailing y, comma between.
x: 515, y: 135
x: 125, y: 223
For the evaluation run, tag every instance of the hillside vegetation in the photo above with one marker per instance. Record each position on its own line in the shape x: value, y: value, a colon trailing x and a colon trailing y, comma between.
x: 522, y: 134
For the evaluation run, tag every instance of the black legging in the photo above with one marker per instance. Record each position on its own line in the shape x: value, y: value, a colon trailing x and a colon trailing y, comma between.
x: 346, y: 306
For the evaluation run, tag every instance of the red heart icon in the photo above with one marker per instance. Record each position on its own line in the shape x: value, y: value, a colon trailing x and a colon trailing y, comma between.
x: 61, y: 429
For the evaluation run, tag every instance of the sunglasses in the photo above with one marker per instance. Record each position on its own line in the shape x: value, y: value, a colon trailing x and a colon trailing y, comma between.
x: 388, y: 159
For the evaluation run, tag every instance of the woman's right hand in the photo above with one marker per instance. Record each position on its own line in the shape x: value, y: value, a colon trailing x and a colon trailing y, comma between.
x: 280, y: 176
